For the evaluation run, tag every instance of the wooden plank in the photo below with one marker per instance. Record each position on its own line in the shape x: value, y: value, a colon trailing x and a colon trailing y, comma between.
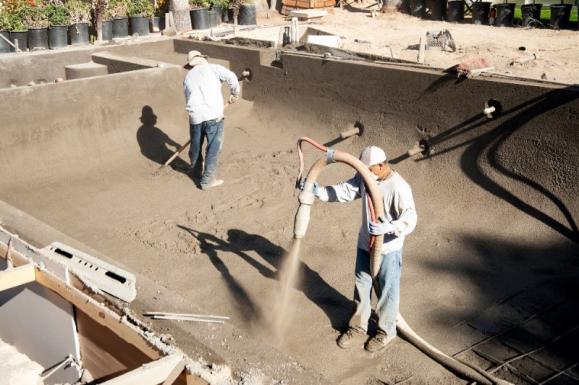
x: 172, y: 377
x: 104, y: 354
x: 17, y: 276
x: 153, y: 373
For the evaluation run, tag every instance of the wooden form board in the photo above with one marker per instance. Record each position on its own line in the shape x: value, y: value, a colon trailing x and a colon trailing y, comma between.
x: 152, y: 373
x: 309, y: 4
x: 17, y: 276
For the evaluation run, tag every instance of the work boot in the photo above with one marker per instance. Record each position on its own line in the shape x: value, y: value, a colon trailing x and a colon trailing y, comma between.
x: 378, y: 342
x: 213, y: 183
x: 351, y: 337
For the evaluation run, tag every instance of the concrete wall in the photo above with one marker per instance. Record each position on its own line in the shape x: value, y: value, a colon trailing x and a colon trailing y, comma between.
x: 57, y: 126
x: 46, y: 66
x: 525, y: 160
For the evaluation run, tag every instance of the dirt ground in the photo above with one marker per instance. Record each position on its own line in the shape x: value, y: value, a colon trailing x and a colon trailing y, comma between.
x: 398, y: 34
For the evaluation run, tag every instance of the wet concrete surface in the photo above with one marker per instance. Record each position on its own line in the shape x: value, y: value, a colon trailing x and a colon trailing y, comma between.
x: 489, y: 274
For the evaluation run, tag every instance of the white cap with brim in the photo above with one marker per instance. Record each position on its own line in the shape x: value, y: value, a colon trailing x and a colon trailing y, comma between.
x: 373, y: 155
x: 195, y: 58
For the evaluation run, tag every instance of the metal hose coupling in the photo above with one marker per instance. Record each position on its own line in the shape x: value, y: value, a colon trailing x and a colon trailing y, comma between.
x: 302, y: 219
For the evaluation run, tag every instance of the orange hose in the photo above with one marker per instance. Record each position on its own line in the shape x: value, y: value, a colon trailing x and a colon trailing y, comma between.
x: 325, y: 149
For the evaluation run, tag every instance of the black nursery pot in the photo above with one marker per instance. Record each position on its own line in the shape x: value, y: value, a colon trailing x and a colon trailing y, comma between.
x: 505, y: 14
x: 4, y: 46
x: 247, y: 15
x: 22, y: 38
x: 37, y: 38
x: 78, y: 34
x: 200, y: 18
x: 438, y: 11
x: 455, y: 11
x: 530, y: 12
x: 120, y: 27
x: 480, y: 12
x: 560, y: 15
x: 107, y: 30
x: 139, y: 25
x: 418, y: 8
x: 58, y: 36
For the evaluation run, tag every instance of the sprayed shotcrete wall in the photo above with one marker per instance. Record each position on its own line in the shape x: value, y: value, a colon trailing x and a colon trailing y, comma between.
x: 532, y: 146
x: 47, y: 127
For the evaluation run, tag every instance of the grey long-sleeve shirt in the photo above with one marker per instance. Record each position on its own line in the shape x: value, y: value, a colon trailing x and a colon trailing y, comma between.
x: 202, y: 87
x: 398, y: 206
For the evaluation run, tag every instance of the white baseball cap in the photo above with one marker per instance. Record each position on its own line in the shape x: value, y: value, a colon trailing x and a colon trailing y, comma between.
x: 195, y: 57
x: 372, y: 155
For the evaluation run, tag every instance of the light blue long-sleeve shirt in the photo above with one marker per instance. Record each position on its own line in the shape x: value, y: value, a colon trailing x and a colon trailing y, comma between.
x: 202, y: 87
x: 398, y: 206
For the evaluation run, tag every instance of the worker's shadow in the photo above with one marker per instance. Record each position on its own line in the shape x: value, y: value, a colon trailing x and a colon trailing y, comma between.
x: 154, y: 145
x: 336, y: 306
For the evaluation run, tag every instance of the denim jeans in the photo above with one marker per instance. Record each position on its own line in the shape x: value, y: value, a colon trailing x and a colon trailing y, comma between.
x: 212, y: 131
x: 388, y: 285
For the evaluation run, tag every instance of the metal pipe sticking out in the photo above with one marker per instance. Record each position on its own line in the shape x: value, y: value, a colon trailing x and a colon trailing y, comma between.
x: 488, y: 111
x: 246, y: 74
x: 357, y: 130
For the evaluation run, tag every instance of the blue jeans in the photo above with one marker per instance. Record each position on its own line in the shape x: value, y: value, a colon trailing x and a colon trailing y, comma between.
x: 388, y: 285
x: 212, y: 131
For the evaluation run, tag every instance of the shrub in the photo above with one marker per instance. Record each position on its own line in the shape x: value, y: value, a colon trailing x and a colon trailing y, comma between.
x: 140, y: 8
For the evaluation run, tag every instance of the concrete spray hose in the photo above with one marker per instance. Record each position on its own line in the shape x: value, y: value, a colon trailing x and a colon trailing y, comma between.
x: 306, y: 198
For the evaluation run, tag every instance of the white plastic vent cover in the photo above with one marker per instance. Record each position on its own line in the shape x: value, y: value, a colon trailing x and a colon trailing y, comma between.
x: 102, y: 275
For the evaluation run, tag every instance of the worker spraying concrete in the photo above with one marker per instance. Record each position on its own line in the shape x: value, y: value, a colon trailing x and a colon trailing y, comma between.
x: 371, y: 181
x: 398, y: 221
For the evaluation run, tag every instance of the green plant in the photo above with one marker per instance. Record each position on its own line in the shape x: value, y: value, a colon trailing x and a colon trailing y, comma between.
x: 140, y: 8
x: 14, y: 13
x: 17, y: 23
x: 116, y: 9
x: 194, y: 4
x: 36, y: 16
x: 57, y: 14
x: 223, y: 4
x: 79, y: 11
x: 5, y: 22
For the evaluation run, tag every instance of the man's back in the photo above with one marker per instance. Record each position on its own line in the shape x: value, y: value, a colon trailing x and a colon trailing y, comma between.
x: 202, y: 88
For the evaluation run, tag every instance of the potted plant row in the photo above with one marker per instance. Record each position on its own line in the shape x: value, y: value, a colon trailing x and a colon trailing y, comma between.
x: 125, y: 15
x: 242, y: 12
x: 35, y: 24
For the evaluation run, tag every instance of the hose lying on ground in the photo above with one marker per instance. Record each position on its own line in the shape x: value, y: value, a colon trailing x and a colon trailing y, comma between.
x: 376, y: 206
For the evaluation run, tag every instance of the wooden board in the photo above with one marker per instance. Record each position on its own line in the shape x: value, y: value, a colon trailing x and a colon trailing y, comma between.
x: 309, y: 4
x: 103, y: 353
x: 17, y: 276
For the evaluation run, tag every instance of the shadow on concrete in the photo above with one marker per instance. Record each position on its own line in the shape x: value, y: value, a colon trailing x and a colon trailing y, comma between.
x: 210, y: 245
x: 526, y: 310
x: 153, y: 143
x: 488, y: 143
x: 336, y: 306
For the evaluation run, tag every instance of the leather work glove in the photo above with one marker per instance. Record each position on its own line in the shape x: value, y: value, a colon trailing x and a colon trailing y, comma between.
x: 380, y: 228
x: 233, y: 98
